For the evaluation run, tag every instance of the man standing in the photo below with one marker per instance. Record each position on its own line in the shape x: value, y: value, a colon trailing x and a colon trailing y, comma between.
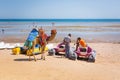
x: 67, y: 41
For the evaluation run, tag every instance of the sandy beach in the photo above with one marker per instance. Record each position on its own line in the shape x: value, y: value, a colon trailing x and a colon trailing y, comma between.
x: 106, y: 67
x: 105, y: 40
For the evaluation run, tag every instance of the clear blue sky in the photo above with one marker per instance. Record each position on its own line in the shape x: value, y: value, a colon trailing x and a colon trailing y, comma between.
x: 60, y: 9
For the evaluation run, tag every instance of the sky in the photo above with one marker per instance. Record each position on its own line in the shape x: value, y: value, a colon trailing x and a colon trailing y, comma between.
x: 59, y: 9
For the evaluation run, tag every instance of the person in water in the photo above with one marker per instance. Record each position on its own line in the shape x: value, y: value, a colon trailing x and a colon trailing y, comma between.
x: 3, y: 31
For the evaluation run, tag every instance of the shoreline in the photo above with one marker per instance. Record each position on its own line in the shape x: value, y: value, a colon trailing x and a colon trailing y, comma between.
x: 22, y: 39
x: 107, y: 34
x: 56, y: 40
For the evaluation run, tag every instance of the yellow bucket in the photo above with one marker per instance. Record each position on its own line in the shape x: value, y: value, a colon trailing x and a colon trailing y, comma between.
x: 16, y: 50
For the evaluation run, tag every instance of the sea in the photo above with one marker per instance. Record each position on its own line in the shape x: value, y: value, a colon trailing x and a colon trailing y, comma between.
x: 101, y: 30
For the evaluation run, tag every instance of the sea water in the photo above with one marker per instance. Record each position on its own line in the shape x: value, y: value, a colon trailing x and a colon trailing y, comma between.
x: 22, y: 27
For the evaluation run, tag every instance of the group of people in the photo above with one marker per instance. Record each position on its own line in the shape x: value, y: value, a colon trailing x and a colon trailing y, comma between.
x: 80, y: 43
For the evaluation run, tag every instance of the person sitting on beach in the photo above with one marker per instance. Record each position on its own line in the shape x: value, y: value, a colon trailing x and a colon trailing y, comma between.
x: 80, y: 43
x: 67, y: 41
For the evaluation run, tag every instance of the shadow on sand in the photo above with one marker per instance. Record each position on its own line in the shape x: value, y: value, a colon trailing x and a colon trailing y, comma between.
x: 82, y: 59
x: 58, y: 55
x: 23, y: 59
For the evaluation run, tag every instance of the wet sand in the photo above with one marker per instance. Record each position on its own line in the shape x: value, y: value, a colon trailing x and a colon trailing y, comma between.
x: 89, y: 33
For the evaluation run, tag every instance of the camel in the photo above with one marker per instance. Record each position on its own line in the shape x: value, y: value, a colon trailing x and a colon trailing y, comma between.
x: 37, y: 41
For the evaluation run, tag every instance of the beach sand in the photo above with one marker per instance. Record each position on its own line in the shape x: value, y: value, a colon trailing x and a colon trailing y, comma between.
x: 104, y: 40
x: 106, y: 67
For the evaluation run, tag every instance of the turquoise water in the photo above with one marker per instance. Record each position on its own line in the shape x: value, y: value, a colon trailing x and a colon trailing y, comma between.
x: 60, y: 20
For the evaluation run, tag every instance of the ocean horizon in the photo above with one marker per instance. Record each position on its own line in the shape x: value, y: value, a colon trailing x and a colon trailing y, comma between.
x: 60, y: 20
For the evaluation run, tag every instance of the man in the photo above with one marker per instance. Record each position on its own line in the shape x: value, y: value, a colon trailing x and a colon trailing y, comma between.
x: 67, y: 41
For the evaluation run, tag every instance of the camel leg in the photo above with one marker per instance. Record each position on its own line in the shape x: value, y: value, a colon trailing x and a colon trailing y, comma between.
x: 43, y: 56
x: 29, y: 58
x: 29, y: 55
x: 34, y: 57
x: 34, y: 43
